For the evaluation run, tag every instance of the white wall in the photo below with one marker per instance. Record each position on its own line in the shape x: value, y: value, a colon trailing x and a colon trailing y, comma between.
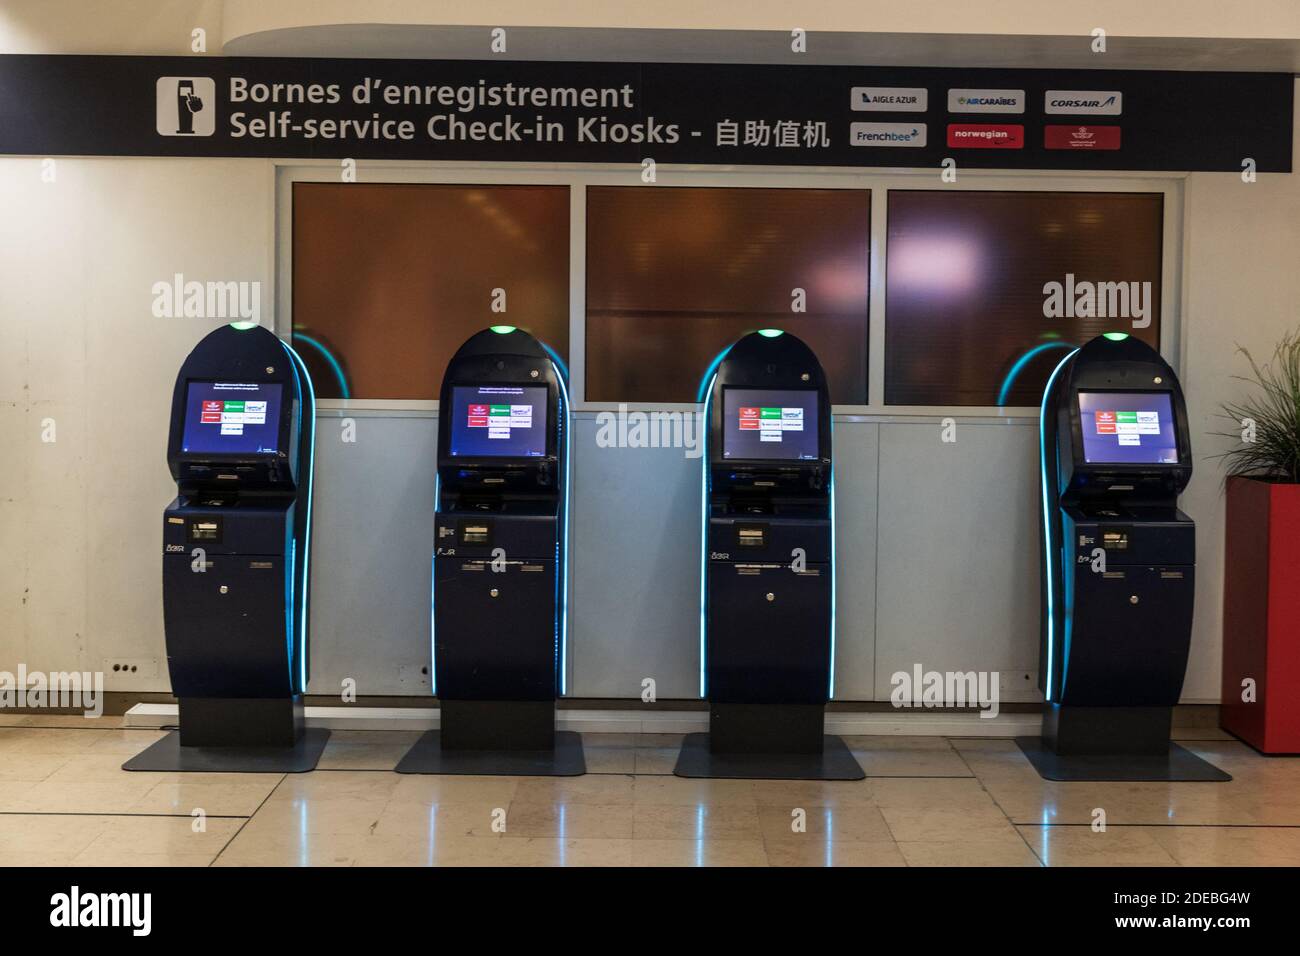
x: 1241, y: 286
x: 80, y: 516
x: 155, y: 27
x: 163, y: 26
x: 1184, y: 18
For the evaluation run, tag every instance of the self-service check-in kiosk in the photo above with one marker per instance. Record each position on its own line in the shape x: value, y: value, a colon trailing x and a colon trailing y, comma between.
x: 768, y: 591
x: 499, y: 565
x: 236, y: 549
x: 1118, y: 567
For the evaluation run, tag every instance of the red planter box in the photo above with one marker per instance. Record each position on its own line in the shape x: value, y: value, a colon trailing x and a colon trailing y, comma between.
x: 1261, y: 615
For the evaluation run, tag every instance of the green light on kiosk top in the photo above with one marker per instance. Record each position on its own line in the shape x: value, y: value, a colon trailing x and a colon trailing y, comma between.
x: 502, y: 329
x: 1115, y: 336
x: 243, y: 326
x: 770, y: 333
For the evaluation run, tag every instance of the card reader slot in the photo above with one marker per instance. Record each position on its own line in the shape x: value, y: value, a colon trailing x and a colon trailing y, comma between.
x: 474, y: 533
x: 204, y: 529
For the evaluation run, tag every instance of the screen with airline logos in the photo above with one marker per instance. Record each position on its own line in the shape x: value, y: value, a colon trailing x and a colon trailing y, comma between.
x: 1128, y: 428
x: 498, y: 421
x: 769, y: 424
x: 231, y: 418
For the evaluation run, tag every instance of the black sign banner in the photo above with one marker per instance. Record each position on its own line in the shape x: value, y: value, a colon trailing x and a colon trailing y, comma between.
x: 510, y: 111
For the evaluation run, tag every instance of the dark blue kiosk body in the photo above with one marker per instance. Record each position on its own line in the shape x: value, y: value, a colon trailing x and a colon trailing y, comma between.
x: 236, y: 549
x: 768, y: 589
x: 499, y: 581
x: 1118, y: 568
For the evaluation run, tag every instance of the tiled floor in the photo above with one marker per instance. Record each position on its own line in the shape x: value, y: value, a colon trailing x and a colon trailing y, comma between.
x: 927, y: 801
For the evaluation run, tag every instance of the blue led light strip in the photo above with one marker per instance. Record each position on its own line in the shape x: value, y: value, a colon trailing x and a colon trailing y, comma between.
x: 706, y: 383
x: 1050, y: 556
x: 333, y: 362
x: 300, y: 369
x: 830, y: 693
x: 1020, y: 364
x: 433, y: 588
x: 563, y: 583
x: 703, y: 424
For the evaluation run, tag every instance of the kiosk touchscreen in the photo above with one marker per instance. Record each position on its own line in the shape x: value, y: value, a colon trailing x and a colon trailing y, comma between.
x: 499, y: 563
x: 769, y: 425
x: 235, y: 563
x: 768, y: 588
x: 231, y: 418
x: 1119, y: 563
x: 498, y: 421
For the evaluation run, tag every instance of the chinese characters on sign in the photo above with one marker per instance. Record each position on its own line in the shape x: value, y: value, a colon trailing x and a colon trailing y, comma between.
x: 786, y: 134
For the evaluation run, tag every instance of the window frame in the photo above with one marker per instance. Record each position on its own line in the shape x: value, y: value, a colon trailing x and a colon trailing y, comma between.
x: 879, y: 181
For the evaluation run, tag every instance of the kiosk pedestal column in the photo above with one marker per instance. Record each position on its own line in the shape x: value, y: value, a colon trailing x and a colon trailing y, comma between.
x: 499, y: 565
x: 236, y: 559
x: 1119, y: 564
x: 768, y: 592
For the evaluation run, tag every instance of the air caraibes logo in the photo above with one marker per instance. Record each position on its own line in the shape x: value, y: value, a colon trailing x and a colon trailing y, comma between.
x: 986, y: 101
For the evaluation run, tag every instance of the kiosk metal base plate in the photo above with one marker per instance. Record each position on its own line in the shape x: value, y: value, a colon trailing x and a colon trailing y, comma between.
x: 429, y: 756
x: 167, y: 755
x: 835, y: 762
x: 1178, y: 765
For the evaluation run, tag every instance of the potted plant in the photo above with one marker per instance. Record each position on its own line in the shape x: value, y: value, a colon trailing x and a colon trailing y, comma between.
x: 1260, y: 701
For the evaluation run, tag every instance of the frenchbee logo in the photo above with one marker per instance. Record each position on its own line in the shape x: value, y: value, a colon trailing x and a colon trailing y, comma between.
x: 186, y: 106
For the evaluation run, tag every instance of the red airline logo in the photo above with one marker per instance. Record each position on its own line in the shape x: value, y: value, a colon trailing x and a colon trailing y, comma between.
x: 1081, y: 137
x: 1106, y: 423
x: 986, y: 136
x: 749, y: 418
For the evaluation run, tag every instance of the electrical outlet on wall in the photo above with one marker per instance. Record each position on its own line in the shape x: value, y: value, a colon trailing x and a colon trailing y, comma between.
x: 119, y: 668
x: 413, y: 676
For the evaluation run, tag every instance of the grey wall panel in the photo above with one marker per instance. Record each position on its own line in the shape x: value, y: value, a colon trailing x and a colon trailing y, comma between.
x: 958, y: 574
x: 856, y: 445
x: 635, y: 548
x: 636, y: 552
x: 372, y: 544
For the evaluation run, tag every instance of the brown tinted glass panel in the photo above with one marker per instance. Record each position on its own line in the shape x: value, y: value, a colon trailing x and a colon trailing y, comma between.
x: 389, y: 280
x: 675, y: 275
x: 966, y: 273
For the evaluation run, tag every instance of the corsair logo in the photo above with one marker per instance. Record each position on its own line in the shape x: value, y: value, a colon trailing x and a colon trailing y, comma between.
x: 1090, y: 104
x: 1093, y: 102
